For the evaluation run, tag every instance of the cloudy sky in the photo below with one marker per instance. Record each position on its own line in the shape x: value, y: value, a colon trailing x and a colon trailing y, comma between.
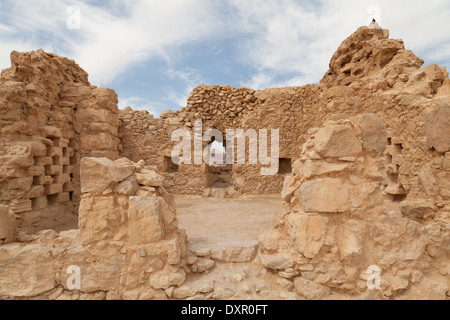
x: 154, y: 52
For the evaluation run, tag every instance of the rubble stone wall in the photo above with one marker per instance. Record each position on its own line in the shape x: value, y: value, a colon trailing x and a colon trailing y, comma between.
x: 50, y: 118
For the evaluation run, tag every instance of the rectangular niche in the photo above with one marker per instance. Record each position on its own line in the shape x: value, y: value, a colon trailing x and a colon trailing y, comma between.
x: 170, y: 166
x: 285, y: 166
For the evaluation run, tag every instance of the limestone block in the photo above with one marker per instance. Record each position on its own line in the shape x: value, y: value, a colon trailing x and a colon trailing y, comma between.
x: 311, y: 168
x: 325, y: 195
x: 20, y: 206
x: 41, y: 180
x: 25, y: 270
x: 164, y: 279
x: 36, y: 171
x: 127, y: 187
x: 276, y: 262
x: 53, y: 170
x: 373, y: 131
x: 443, y: 179
x: 99, y: 173
x: 149, y: 178
x: 144, y: 220
x: 235, y: 251
x: 310, y: 290
x: 39, y: 203
x: 308, y: 232
x: 20, y: 183
x: 349, y: 244
x: 51, y: 132
x: 36, y: 191
x: 38, y: 149
x: 99, y: 218
x: 7, y: 224
x: 60, y: 198
x: 53, y: 189
x: 99, y: 141
x: 427, y: 181
x: 337, y: 140
x: 437, y: 128
x: 446, y: 164
x: 43, y: 161
x: 415, y: 210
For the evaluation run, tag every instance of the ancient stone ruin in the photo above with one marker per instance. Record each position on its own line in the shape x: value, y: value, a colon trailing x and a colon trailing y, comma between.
x: 364, y: 178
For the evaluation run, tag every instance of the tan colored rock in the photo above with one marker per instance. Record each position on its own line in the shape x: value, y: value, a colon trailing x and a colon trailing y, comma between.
x: 149, y: 178
x: 427, y: 181
x: 25, y: 270
x: 164, y: 279
x: 337, y: 140
x: 7, y: 224
x: 325, y: 195
x: 311, y: 168
x: 308, y: 233
x: 310, y: 290
x: 437, y: 128
x: 144, y: 220
x: 416, y: 210
x: 373, y: 131
x: 277, y: 262
x: 97, y: 174
x: 235, y: 251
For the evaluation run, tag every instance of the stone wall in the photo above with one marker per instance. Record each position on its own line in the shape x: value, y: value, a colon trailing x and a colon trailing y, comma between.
x: 50, y: 117
x: 344, y: 212
x: 128, y: 245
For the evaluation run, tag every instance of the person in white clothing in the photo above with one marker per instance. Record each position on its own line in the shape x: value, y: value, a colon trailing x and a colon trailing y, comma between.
x: 374, y: 25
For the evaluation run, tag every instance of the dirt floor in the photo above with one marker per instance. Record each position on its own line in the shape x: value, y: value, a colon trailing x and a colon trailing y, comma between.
x: 210, y: 221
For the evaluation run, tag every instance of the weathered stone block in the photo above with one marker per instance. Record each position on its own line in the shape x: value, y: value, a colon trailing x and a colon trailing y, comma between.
x: 308, y: 232
x: 149, y: 178
x: 25, y: 270
x: 336, y: 140
x: 373, y: 131
x: 36, y: 191
x: 7, y: 224
x: 144, y: 220
x: 99, y: 173
x: 235, y: 251
x: 276, y: 262
x: 310, y: 290
x: 39, y: 203
x: 325, y: 195
x: 427, y: 181
x: 437, y: 128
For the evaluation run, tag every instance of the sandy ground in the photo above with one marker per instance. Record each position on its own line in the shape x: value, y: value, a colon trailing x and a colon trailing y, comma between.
x: 210, y: 221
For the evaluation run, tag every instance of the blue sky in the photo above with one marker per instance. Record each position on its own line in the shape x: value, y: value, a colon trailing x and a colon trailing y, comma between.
x: 154, y: 52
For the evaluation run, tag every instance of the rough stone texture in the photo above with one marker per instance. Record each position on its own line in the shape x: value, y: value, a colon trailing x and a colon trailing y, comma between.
x: 238, y: 251
x: 7, y: 224
x: 335, y: 141
x: 438, y: 129
x: 364, y: 177
x: 325, y: 195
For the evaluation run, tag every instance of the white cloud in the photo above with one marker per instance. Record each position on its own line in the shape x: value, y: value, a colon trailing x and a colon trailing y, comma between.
x: 109, y: 43
x: 292, y: 37
x: 278, y: 39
